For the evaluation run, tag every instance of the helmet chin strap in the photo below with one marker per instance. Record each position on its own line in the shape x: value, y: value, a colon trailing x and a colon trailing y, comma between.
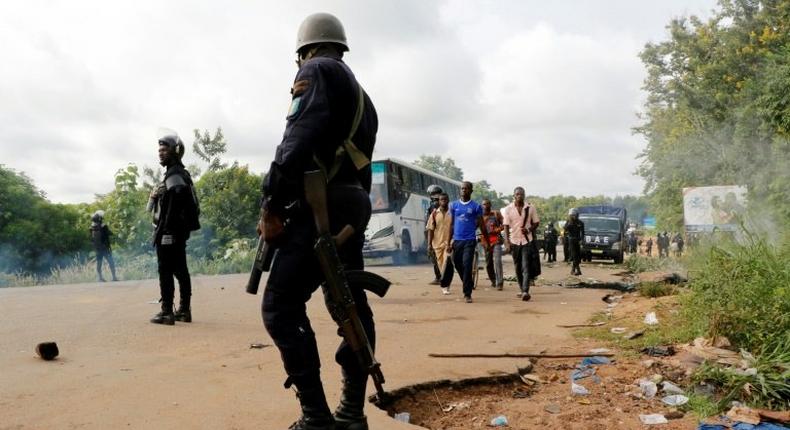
x: 316, y: 50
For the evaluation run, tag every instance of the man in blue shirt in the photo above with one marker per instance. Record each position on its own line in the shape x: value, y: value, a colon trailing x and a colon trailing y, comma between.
x: 467, y: 217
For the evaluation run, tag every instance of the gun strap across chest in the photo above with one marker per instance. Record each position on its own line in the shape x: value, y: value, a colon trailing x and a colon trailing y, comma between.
x: 348, y: 147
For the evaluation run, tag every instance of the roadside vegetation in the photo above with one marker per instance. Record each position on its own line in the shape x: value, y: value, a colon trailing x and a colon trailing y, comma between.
x: 736, y: 290
x: 638, y: 263
x: 237, y: 259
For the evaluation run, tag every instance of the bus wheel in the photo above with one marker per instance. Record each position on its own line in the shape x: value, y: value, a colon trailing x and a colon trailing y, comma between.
x: 403, y: 255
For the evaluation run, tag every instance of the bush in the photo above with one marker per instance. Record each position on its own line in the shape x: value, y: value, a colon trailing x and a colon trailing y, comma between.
x: 767, y: 386
x: 656, y: 289
x: 642, y: 263
x: 741, y: 291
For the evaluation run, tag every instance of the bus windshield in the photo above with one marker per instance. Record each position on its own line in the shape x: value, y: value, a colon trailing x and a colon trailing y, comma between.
x: 379, y: 195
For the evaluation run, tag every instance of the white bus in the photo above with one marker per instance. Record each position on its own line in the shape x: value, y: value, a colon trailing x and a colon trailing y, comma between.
x: 400, y: 204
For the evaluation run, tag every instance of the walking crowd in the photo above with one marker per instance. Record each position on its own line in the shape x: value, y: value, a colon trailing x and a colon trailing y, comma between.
x: 453, y: 240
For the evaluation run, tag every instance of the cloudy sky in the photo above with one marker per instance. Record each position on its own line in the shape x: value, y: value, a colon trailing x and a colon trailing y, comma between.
x: 534, y: 93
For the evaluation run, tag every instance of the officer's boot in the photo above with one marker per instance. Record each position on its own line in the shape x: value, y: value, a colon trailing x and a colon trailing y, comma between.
x: 184, y: 312
x: 315, y: 412
x: 349, y: 413
x: 165, y: 316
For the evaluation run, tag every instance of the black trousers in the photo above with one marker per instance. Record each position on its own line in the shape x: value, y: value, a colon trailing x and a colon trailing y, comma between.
x: 104, y: 255
x: 551, y: 251
x: 296, y: 274
x: 521, y: 257
x: 172, y: 260
x: 463, y: 259
x: 566, y: 251
x: 576, y: 255
x: 446, y: 276
x: 436, y: 271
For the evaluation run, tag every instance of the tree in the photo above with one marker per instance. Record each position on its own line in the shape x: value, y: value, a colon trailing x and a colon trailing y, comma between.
x: 717, y: 108
x: 230, y: 206
x: 436, y: 164
x: 482, y: 190
x: 209, y: 149
x: 125, y: 212
x: 35, y: 235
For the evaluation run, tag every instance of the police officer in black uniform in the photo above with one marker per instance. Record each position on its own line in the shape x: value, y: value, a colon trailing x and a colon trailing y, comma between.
x: 100, y: 236
x: 550, y: 239
x: 326, y: 99
x: 175, y: 210
x: 574, y: 232
x: 434, y: 191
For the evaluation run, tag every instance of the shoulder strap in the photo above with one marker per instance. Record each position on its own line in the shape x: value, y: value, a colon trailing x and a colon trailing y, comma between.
x: 357, y: 157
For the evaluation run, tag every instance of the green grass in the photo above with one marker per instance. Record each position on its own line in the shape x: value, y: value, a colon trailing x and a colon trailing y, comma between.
x: 741, y: 291
x: 670, y: 329
x: 656, y: 289
x: 642, y: 263
x: 132, y: 267
x: 703, y: 406
x: 737, y: 290
x: 768, y: 388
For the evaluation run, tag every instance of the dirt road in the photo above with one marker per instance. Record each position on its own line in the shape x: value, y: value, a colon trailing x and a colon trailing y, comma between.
x: 116, y: 370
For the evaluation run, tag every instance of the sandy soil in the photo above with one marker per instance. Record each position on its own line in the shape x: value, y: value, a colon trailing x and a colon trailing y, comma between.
x: 614, y: 400
x: 116, y: 370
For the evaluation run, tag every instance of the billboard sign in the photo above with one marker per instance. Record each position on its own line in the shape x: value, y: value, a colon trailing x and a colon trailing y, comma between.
x: 709, y: 208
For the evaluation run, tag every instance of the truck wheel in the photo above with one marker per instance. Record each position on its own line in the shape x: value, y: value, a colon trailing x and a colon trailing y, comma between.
x: 618, y: 259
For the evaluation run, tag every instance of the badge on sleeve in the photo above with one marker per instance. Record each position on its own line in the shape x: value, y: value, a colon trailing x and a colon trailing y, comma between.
x: 294, y: 108
x: 299, y: 87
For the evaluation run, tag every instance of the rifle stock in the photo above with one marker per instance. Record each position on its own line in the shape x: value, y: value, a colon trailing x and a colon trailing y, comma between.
x: 336, y: 287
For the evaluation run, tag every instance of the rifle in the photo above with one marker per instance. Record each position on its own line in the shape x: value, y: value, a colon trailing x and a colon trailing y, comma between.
x: 336, y: 286
x: 262, y: 263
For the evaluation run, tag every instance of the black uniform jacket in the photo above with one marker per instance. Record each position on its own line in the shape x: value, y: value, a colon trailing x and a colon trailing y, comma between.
x: 323, y: 103
x: 574, y: 230
x: 175, y: 205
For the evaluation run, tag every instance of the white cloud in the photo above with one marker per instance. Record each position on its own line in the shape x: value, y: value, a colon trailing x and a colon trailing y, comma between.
x: 517, y: 92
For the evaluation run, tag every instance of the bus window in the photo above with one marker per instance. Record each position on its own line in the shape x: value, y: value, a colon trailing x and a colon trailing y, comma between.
x: 379, y: 195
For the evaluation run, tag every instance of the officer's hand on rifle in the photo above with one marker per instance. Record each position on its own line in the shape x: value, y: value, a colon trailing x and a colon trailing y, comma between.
x: 270, y: 225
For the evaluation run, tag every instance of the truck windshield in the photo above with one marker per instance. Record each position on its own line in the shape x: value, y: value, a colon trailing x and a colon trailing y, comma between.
x: 379, y: 194
x: 600, y: 224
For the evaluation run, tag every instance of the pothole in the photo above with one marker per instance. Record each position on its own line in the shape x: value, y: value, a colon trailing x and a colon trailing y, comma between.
x: 540, y: 397
x: 466, y: 403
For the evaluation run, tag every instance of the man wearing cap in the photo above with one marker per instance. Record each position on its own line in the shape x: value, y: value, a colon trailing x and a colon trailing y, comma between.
x: 331, y: 126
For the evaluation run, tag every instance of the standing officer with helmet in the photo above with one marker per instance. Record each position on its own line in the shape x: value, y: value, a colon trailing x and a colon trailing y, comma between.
x: 574, y: 232
x: 434, y: 191
x: 331, y: 126
x: 175, y: 209
x: 100, y: 236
